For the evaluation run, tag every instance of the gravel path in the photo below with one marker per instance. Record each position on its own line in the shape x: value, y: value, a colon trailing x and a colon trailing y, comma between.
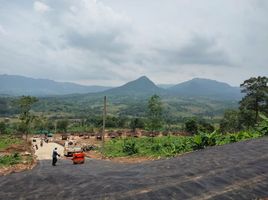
x: 234, y: 171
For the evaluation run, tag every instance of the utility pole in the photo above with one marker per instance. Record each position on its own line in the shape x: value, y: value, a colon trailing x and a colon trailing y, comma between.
x: 103, y: 122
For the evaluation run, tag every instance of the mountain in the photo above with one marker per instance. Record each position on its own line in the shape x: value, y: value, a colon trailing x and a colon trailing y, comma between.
x: 206, y: 88
x: 165, y: 86
x: 140, y: 86
x: 12, y: 85
x: 20, y: 85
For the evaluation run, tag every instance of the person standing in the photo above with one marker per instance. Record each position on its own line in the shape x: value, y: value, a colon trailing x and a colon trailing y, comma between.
x: 54, y: 157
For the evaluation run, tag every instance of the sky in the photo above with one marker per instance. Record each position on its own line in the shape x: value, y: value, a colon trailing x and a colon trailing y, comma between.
x: 111, y: 42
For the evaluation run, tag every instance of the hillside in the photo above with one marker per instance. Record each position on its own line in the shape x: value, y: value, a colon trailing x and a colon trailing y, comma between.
x: 138, y: 87
x: 198, y: 87
x: 13, y: 85
x: 197, y: 97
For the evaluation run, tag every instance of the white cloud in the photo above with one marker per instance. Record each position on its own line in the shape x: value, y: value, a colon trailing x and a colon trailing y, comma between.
x: 112, y: 41
x: 40, y: 7
x: 2, y: 30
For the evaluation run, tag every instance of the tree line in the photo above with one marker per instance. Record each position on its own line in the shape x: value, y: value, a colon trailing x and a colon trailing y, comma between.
x: 245, y: 117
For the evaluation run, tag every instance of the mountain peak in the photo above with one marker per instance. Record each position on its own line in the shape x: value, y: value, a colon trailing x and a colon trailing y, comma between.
x: 208, y: 81
x: 206, y: 87
x: 142, y: 85
x: 143, y: 78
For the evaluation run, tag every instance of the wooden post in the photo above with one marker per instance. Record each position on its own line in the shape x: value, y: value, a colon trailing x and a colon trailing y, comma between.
x: 103, y: 123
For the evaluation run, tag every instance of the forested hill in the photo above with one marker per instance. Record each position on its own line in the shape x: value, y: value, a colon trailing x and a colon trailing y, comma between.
x: 140, y: 86
x: 13, y: 85
x: 195, y: 97
x: 206, y: 88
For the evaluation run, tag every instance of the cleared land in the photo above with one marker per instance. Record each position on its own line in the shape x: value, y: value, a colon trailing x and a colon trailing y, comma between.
x: 233, y: 171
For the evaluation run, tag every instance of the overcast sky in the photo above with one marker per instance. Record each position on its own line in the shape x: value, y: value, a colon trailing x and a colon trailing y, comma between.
x: 110, y: 42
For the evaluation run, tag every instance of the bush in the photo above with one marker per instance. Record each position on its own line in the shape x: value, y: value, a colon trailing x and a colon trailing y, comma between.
x: 156, y: 147
x: 191, y: 126
x: 130, y: 148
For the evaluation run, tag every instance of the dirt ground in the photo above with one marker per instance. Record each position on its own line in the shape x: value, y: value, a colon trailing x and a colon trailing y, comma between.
x: 45, y: 152
x: 25, y: 151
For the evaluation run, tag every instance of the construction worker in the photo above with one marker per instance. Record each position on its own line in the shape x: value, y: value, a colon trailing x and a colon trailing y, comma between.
x: 54, y: 156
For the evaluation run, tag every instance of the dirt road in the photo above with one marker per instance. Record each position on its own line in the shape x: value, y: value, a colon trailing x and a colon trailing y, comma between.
x: 45, y: 152
x: 234, y: 171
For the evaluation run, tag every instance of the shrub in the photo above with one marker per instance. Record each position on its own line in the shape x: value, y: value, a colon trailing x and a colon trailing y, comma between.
x: 197, y: 142
x: 129, y: 147
x: 156, y: 147
x: 191, y: 126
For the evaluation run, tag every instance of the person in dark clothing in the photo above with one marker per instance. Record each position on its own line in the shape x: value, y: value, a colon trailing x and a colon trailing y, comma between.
x: 54, y: 156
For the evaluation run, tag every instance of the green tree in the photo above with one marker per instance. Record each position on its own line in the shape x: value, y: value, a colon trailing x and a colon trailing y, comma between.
x: 3, y: 128
x: 205, y: 127
x: 136, y: 123
x: 50, y: 125
x: 191, y: 126
x: 247, y: 118
x: 230, y: 122
x: 39, y: 123
x: 256, y: 97
x: 155, y: 109
x: 62, y: 125
x: 122, y: 122
x: 25, y: 104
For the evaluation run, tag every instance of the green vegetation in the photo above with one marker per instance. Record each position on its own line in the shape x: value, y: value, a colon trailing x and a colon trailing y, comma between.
x: 254, y: 102
x: 3, y: 128
x: 206, y: 120
x: 25, y: 104
x: 8, y: 140
x: 62, y: 125
x: 168, y: 146
x: 155, y: 109
x: 8, y: 160
x: 263, y: 125
x: 256, y: 98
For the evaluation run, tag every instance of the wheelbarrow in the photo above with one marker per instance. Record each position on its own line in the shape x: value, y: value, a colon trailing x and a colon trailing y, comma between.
x: 78, y: 158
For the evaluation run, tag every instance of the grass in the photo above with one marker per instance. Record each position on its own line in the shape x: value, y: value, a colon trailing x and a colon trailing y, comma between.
x: 8, y: 160
x: 7, y: 140
x: 14, y: 158
x: 168, y: 146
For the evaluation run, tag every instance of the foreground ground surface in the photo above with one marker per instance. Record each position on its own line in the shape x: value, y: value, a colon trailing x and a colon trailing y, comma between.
x: 234, y: 171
